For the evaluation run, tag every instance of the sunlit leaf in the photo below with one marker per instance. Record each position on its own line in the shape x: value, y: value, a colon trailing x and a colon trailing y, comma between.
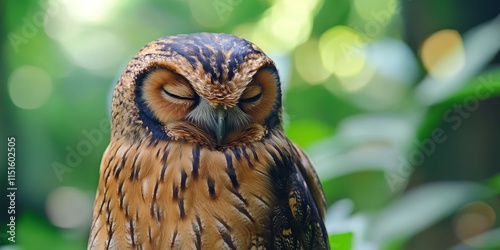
x: 481, y: 87
x: 341, y: 241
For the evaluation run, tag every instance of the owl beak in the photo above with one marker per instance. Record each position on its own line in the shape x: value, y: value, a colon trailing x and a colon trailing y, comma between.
x: 220, y: 130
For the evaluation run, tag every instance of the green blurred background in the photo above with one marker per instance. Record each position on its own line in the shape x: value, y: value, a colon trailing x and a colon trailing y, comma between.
x: 396, y: 102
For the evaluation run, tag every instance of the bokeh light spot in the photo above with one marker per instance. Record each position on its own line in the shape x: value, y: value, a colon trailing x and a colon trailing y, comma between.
x: 358, y: 81
x: 97, y: 50
x: 473, y: 219
x: 60, y: 26
x: 307, y: 60
x: 29, y: 87
x: 285, y: 25
x: 68, y: 207
x: 342, y: 53
x: 291, y: 21
x: 443, y: 54
x: 93, y: 11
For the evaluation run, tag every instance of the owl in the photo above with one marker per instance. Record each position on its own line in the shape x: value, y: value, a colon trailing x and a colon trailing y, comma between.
x: 198, y: 158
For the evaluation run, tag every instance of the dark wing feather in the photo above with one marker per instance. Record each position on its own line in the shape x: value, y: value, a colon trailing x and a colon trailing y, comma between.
x: 297, y: 219
x: 307, y: 170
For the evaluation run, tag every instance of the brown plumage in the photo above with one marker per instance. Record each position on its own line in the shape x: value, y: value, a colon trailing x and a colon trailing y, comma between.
x: 198, y: 158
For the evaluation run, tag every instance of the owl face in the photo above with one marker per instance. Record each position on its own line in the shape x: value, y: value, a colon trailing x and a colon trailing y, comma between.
x: 214, y: 89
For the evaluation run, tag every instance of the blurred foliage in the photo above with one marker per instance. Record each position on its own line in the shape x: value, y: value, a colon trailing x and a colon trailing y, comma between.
x: 341, y: 241
x: 396, y: 102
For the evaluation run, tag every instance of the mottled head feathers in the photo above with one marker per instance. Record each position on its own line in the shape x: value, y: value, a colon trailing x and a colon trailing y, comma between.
x: 204, y: 88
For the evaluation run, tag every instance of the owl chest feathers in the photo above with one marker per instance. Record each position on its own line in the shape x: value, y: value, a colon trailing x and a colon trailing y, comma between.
x: 198, y: 158
x: 185, y: 195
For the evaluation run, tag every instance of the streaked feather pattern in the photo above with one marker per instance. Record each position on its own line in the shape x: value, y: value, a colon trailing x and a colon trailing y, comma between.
x: 167, y: 182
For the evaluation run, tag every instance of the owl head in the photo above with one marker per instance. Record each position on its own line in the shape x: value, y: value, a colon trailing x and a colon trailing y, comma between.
x: 217, y: 90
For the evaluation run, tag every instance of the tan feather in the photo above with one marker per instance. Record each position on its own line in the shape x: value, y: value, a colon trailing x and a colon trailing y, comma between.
x: 198, y: 158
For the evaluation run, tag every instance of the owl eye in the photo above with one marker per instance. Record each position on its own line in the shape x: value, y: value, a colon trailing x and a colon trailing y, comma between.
x: 179, y: 91
x: 252, y: 94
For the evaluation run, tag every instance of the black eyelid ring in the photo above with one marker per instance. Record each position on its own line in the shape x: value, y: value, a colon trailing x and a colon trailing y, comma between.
x: 252, y: 99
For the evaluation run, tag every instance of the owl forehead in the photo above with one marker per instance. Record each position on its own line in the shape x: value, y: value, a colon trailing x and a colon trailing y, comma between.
x: 218, y: 66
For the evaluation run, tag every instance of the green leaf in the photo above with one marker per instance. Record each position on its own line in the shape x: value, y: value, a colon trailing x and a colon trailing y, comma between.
x: 481, y: 87
x: 341, y: 241
x: 494, y: 183
x: 468, y: 99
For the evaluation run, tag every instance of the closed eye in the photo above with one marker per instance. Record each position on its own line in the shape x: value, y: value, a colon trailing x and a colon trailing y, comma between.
x: 252, y: 94
x: 189, y: 98
x: 251, y: 99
